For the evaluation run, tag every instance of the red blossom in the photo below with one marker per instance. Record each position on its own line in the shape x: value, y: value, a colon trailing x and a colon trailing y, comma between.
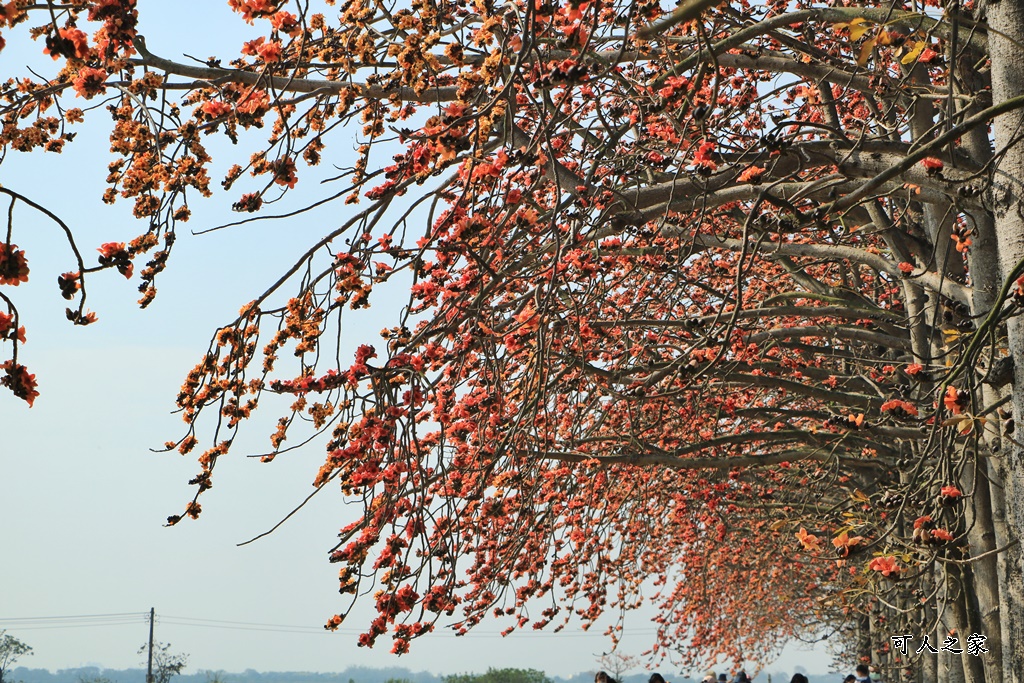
x: 810, y: 542
x: 250, y: 47
x: 248, y: 203
x: 253, y: 9
x: 284, y: 172
x: 254, y: 101
x: 117, y: 255
x: 285, y: 22
x: 703, y: 157
x: 955, y: 400
x: 898, y: 406
x: 70, y: 42
x: 961, y: 240
x: 7, y: 330
x: 216, y: 108
x: 111, y: 250
x: 270, y: 52
x: 19, y: 381
x: 13, y: 265
x: 844, y: 542
x: 752, y: 175
x: 886, y: 565
x: 88, y: 82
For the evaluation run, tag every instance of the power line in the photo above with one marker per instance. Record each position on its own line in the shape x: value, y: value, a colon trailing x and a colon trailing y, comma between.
x: 72, y: 621
x: 241, y: 626
x: 71, y: 616
x: 134, y: 622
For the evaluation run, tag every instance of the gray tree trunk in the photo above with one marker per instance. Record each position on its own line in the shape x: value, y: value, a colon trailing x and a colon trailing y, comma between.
x: 1007, y: 21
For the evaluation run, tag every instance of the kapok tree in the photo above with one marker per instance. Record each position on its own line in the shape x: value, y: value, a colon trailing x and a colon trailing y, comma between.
x: 723, y: 298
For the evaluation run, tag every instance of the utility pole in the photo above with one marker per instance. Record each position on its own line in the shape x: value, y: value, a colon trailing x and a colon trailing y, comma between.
x: 149, y: 665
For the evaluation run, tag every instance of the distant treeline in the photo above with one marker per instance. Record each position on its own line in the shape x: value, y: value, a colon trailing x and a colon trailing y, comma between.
x: 354, y: 674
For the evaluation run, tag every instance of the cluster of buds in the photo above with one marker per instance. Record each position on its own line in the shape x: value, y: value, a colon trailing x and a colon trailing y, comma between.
x: 846, y: 421
x: 567, y: 70
x: 69, y: 284
x: 926, y: 533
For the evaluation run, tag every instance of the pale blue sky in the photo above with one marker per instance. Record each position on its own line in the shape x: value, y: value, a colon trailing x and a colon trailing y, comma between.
x: 83, y: 500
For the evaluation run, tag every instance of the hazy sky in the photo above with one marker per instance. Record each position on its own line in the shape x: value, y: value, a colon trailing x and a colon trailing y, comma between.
x: 82, y: 498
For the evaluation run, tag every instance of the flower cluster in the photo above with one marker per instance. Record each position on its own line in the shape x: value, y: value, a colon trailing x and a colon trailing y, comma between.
x: 13, y: 265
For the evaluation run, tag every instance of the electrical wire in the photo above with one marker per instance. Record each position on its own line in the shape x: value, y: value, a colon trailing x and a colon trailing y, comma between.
x: 73, y: 621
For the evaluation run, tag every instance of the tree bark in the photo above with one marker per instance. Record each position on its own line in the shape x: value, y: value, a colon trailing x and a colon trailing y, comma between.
x: 985, y: 534
x: 1007, y: 21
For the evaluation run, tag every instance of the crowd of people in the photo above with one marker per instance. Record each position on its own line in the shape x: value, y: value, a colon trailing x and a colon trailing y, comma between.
x: 864, y: 674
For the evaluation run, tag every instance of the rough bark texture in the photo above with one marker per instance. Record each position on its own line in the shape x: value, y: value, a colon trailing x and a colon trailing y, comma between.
x: 1007, y: 21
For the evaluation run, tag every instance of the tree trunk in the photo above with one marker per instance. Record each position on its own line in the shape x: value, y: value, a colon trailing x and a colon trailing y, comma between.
x: 1007, y: 21
x: 951, y: 667
x: 967, y: 618
x: 984, y: 534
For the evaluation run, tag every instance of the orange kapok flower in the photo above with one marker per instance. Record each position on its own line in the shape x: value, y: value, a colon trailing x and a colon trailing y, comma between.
x: 950, y: 495
x: 808, y: 541
x: 899, y: 407
x: 887, y: 565
x: 932, y: 165
x: 13, y: 265
x: 843, y: 542
x: 955, y: 400
x: 19, y: 381
x: 89, y: 82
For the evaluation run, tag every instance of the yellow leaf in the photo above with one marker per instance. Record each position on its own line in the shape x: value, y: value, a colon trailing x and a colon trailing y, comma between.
x: 914, y: 53
x: 963, y: 423
x: 865, y: 52
x: 858, y: 27
x: 860, y: 496
x: 883, y: 38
